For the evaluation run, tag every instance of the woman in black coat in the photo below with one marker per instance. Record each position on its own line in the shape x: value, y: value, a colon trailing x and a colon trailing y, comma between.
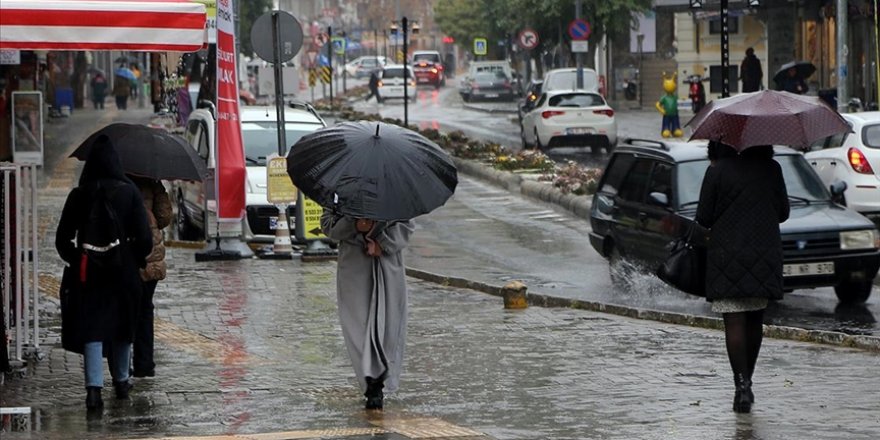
x: 99, y: 305
x: 743, y: 200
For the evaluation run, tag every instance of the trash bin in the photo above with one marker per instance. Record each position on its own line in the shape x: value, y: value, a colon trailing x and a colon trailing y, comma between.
x: 64, y: 98
x: 829, y: 96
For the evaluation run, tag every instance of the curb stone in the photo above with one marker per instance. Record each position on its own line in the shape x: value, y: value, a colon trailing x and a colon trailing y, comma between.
x: 488, y: 110
x: 868, y: 343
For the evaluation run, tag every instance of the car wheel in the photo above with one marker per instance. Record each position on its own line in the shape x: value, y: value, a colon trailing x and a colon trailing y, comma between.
x: 538, y: 144
x: 466, y: 98
x: 596, y: 149
x: 185, y: 229
x: 853, y: 292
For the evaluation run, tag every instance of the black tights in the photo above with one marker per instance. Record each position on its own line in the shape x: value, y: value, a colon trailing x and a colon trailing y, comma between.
x: 743, y: 332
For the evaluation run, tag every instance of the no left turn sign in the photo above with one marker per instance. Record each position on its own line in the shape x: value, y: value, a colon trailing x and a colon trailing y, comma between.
x: 528, y: 39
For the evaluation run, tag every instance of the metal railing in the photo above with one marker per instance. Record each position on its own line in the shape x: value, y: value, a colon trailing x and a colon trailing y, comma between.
x: 20, y: 260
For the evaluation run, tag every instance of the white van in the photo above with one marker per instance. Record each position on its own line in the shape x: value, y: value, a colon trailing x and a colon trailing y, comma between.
x: 195, y: 201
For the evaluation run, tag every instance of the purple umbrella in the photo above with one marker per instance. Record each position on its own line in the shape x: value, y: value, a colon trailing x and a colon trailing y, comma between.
x: 767, y: 118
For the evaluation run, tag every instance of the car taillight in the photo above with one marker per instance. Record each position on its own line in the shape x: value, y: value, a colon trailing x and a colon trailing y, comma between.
x: 439, y: 67
x: 551, y: 113
x: 434, y: 70
x: 606, y: 112
x: 859, y: 162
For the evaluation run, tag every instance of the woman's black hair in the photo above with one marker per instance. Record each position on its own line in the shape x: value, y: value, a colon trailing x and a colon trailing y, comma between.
x: 719, y: 150
x: 758, y: 152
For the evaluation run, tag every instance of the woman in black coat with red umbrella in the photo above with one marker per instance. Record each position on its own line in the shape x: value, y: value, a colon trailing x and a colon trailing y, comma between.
x: 742, y: 202
x: 99, y: 296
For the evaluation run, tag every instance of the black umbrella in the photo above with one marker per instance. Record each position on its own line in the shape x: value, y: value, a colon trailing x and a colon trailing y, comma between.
x: 372, y: 170
x: 149, y: 152
x: 805, y: 69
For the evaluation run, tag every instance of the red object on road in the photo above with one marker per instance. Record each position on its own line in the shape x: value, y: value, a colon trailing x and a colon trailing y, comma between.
x: 156, y: 25
x: 767, y: 118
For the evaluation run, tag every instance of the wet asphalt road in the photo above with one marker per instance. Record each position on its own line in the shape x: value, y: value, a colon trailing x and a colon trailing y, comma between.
x: 487, y: 234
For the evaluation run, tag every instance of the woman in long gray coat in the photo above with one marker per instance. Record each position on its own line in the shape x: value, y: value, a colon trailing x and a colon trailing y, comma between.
x: 371, y: 297
x: 742, y: 201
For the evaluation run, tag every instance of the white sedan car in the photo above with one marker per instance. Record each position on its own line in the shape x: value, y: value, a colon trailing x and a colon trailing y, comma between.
x: 391, y: 83
x: 853, y: 158
x: 570, y: 118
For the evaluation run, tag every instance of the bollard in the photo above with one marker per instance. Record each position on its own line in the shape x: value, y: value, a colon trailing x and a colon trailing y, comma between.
x: 281, y: 248
x: 514, y: 294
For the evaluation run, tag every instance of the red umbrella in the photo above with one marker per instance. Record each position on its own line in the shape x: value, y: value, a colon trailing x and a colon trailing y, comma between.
x: 767, y: 118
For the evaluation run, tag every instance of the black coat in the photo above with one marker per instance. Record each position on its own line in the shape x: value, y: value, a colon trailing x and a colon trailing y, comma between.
x: 751, y: 74
x: 743, y: 200
x: 104, y: 308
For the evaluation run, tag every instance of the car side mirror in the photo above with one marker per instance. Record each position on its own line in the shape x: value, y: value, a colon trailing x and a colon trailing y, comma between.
x: 659, y: 199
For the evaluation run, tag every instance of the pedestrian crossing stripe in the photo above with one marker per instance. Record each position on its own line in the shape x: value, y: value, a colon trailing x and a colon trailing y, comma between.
x: 313, y: 77
x: 325, y: 74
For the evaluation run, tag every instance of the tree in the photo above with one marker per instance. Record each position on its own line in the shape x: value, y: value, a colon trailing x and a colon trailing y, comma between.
x: 249, y: 11
x: 494, y: 19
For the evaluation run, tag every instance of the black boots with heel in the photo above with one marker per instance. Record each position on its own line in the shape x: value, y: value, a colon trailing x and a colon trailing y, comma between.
x: 93, y: 398
x: 122, y: 389
x: 743, y: 398
x: 374, y: 393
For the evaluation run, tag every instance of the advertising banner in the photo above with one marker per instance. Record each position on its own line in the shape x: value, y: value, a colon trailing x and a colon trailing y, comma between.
x: 230, y: 167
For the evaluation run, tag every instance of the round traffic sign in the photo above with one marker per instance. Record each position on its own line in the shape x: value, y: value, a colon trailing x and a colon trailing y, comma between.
x: 579, y: 29
x: 528, y: 39
x: 290, y: 36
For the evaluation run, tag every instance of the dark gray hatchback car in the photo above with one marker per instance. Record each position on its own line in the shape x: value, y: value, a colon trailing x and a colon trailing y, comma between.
x: 649, y: 193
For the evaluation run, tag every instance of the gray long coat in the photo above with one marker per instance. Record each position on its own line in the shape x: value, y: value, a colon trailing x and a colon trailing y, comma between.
x: 371, y: 297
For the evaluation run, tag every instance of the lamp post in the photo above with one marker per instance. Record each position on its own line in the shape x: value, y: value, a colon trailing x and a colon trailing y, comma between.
x: 725, y: 40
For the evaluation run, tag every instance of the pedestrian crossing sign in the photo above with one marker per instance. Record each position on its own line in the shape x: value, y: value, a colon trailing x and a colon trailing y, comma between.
x: 480, y: 46
x: 338, y: 45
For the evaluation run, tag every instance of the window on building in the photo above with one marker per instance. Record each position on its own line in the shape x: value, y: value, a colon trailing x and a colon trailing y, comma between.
x: 732, y: 25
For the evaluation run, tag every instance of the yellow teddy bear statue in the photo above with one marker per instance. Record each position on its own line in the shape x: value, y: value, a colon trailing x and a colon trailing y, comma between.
x: 668, y: 107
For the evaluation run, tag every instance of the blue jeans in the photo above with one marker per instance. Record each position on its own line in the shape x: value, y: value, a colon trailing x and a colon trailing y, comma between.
x: 118, y: 358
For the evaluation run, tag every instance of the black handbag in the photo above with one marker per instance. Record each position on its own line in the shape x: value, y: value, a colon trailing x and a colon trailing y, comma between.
x: 685, y: 267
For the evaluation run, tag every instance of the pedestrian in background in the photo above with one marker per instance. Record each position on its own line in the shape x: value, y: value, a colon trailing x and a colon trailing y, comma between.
x: 374, y: 86
x: 121, y: 90
x: 793, y: 83
x: 99, y: 90
x: 742, y: 202
x: 371, y: 297
x: 751, y: 72
x: 134, y: 81
x: 101, y: 286
x: 159, y: 215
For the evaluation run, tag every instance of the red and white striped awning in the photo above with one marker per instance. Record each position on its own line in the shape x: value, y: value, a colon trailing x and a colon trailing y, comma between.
x: 135, y: 25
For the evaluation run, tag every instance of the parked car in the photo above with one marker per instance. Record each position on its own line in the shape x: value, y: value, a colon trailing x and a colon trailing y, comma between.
x: 530, y: 98
x: 648, y: 196
x: 566, y: 79
x: 428, y: 67
x: 570, y: 118
x: 487, y: 85
x: 391, y: 83
x: 853, y: 158
x: 259, y: 135
x: 363, y: 66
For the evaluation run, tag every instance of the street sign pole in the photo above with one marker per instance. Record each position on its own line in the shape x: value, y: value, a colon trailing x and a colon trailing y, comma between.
x: 344, y: 62
x: 405, y: 24
x: 579, y: 56
x: 725, y: 51
x: 330, y: 63
x: 277, y: 37
x: 842, y: 55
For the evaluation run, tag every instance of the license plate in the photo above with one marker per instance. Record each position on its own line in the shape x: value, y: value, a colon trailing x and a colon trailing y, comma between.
x: 580, y: 131
x: 806, y: 269
x: 424, y: 79
x: 395, y: 89
x: 491, y: 95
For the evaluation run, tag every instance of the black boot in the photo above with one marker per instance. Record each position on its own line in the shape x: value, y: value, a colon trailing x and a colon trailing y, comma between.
x: 743, y: 398
x: 93, y: 398
x: 374, y: 393
x: 122, y: 389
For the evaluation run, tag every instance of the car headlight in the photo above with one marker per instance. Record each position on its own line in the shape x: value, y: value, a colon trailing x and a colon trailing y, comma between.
x: 864, y: 239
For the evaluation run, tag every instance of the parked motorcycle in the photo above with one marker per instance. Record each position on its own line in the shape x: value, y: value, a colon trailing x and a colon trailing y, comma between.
x: 697, y: 93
